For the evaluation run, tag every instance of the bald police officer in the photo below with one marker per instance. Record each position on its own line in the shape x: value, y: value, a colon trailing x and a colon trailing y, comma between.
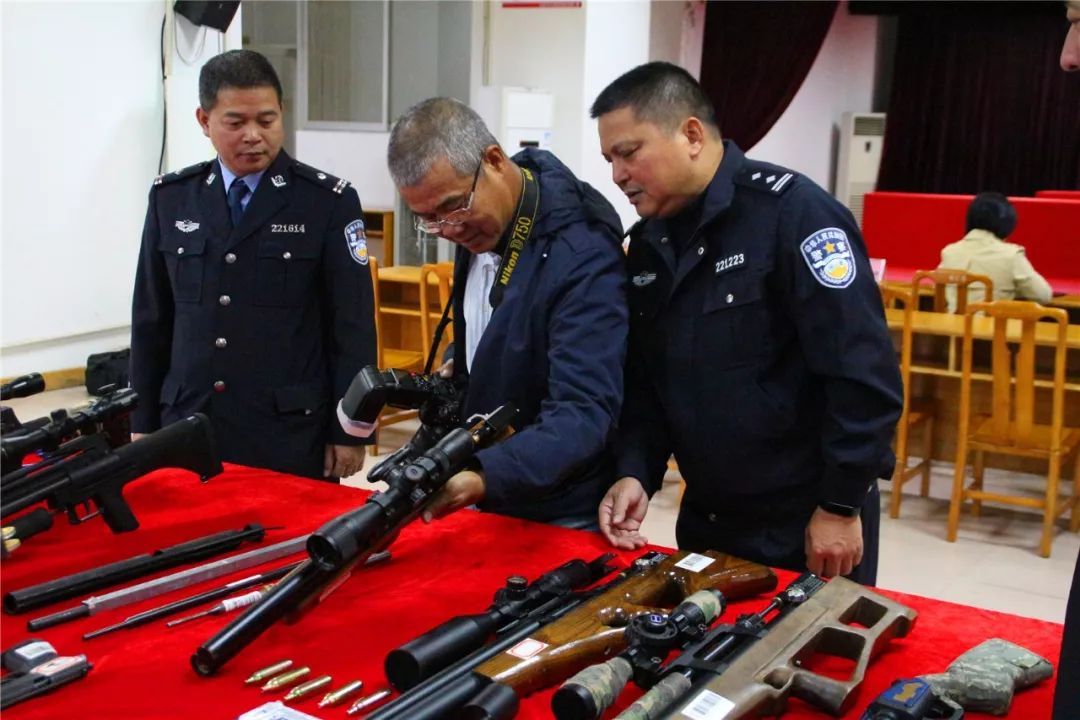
x: 253, y: 300
x: 758, y: 349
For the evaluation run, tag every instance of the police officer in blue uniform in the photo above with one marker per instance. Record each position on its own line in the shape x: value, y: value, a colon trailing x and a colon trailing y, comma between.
x: 539, y: 310
x: 253, y: 300
x: 758, y: 354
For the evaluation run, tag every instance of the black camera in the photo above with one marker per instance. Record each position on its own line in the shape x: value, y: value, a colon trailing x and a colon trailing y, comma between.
x: 437, y: 399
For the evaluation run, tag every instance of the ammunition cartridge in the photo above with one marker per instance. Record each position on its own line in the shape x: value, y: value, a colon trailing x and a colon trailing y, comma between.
x: 367, y: 701
x: 309, y: 687
x: 268, y: 671
x: 333, y: 698
x: 285, y: 679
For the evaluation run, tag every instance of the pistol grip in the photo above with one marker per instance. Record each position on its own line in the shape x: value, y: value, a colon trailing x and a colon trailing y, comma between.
x: 117, y: 513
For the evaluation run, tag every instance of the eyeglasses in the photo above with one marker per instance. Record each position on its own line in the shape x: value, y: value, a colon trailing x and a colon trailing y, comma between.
x: 454, y: 218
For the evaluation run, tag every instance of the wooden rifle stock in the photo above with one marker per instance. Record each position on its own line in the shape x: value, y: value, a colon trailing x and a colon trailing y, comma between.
x: 595, y: 630
x: 843, y: 619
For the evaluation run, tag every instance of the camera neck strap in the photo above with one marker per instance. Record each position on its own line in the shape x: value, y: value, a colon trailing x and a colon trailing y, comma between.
x: 519, y: 233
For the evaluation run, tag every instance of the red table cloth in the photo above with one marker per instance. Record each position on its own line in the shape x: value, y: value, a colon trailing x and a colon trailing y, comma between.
x: 450, y: 567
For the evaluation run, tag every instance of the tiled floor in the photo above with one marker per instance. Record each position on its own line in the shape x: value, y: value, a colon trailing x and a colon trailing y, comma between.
x: 993, y: 564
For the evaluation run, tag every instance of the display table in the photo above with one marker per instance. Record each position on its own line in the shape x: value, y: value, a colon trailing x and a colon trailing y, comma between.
x: 447, y: 568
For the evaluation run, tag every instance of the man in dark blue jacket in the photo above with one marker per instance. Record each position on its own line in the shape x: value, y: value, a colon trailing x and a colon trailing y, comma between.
x: 758, y: 349
x: 539, y: 310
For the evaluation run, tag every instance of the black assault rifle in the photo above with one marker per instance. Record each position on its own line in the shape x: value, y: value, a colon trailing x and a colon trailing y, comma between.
x: 94, y: 472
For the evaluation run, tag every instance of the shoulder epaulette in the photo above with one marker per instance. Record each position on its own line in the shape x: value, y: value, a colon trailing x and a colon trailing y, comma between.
x: 767, y: 178
x: 325, y: 180
x: 175, y: 175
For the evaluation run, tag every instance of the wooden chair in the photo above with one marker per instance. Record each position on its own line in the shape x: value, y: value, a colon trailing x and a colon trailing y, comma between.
x: 443, y: 274
x: 946, y: 281
x: 916, y: 412
x: 390, y: 357
x: 1011, y: 428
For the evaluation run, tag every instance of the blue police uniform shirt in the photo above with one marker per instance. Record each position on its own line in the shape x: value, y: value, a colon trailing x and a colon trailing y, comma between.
x: 251, y: 180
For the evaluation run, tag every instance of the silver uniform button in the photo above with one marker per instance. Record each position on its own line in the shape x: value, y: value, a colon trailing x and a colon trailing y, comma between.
x: 712, y: 517
x: 287, y: 255
x: 221, y: 342
x: 663, y: 241
x: 179, y: 251
x: 224, y: 300
x: 730, y: 298
x: 230, y: 258
x: 219, y: 386
x: 701, y: 250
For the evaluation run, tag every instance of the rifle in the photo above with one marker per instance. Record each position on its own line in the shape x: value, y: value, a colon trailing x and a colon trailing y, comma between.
x: 516, y: 603
x: 749, y: 669
x: 107, y: 414
x: 20, y: 387
x: 348, y: 539
x: 589, y: 632
x: 99, y: 474
x: 985, y: 677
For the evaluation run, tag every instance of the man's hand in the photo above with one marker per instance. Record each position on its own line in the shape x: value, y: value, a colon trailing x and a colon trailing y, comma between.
x: 464, y: 489
x: 834, y: 543
x: 342, y: 460
x: 446, y: 370
x: 137, y: 436
x: 621, y: 512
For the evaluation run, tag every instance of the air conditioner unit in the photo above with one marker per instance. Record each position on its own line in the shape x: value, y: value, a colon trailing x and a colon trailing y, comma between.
x: 861, y: 138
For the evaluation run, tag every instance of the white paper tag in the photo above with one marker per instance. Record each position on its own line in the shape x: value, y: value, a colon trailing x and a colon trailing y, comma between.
x: 694, y: 562
x: 527, y: 648
x: 708, y: 706
x: 275, y: 711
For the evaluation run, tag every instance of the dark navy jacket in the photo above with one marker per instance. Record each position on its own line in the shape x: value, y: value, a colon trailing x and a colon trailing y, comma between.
x: 760, y: 357
x: 555, y: 348
x: 262, y: 326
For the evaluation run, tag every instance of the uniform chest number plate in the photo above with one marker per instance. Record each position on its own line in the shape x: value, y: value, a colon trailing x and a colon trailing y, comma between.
x: 729, y: 262
x: 280, y: 228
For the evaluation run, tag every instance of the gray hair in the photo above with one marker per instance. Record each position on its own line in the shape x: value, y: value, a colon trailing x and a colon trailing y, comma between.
x: 437, y: 127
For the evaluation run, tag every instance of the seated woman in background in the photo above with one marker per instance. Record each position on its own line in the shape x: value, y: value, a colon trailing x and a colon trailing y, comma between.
x: 990, y: 219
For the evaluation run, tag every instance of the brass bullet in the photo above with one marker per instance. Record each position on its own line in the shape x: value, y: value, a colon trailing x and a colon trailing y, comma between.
x: 367, y: 701
x: 285, y: 679
x: 268, y: 671
x: 333, y: 698
x: 309, y: 687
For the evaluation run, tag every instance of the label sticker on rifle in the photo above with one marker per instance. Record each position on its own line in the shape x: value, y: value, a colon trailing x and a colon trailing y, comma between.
x: 527, y: 648
x: 694, y: 562
x: 708, y: 706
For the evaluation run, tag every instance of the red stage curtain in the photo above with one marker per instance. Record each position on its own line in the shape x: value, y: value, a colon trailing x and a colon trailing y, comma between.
x: 979, y: 103
x: 755, y: 57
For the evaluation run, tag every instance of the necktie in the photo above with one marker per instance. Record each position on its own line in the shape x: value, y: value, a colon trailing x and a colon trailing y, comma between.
x: 237, y: 192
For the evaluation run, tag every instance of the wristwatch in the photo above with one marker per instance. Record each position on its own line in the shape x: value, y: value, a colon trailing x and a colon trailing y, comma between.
x: 840, y: 509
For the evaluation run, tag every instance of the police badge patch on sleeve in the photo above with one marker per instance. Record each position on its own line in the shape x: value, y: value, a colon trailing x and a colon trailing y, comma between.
x: 828, y: 255
x: 357, y: 241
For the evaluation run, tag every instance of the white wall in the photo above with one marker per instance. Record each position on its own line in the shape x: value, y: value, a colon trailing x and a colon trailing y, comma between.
x: 543, y: 48
x: 608, y: 54
x: 841, y: 78
x: 359, y: 157
x: 81, y: 137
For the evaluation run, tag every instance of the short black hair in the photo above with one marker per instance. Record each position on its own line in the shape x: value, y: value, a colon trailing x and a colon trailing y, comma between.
x: 237, y: 69
x: 991, y: 211
x: 658, y: 92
